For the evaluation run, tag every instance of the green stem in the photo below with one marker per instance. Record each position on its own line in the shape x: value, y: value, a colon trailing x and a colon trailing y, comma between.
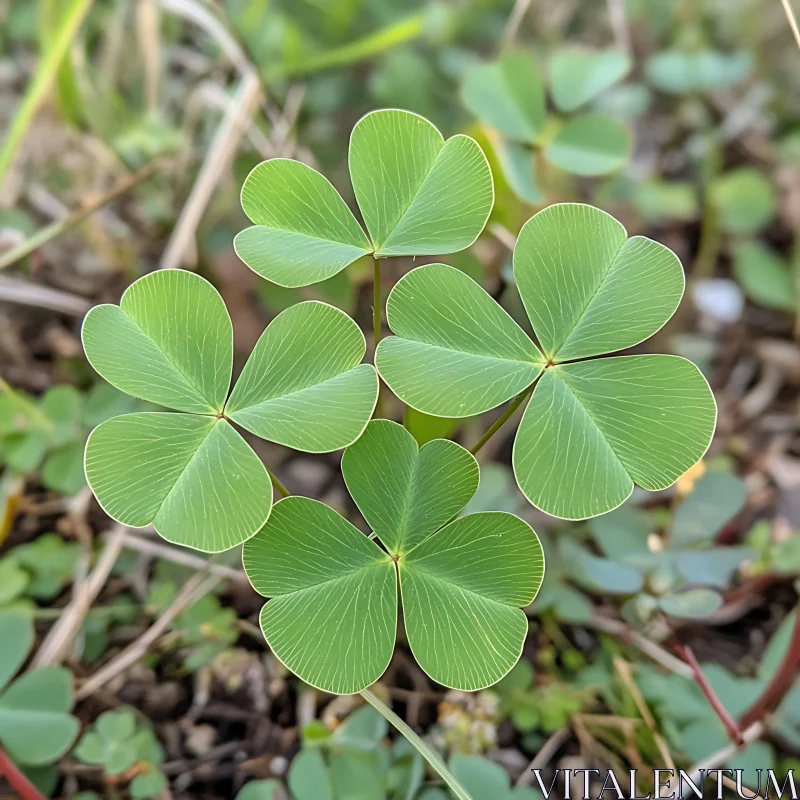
x: 25, y: 405
x: 377, y: 319
x: 428, y: 753
x: 282, y: 490
x: 60, y: 226
x: 42, y: 81
x: 502, y: 419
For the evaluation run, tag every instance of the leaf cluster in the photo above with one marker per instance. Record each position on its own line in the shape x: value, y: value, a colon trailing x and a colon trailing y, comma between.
x: 125, y: 745
x: 508, y: 96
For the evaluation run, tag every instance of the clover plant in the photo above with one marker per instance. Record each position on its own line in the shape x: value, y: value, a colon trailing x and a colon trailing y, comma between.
x: 508, y: 96
x: 592, y: 426
x: 36, y: 727
x: 126, y: 746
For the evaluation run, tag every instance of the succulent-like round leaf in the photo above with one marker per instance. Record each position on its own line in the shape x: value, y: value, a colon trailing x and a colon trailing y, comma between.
x: 35, y: 726
x: 406, y: 492
x: 587, y: 288
x: 507, y: 95
x: 578, y: 76
x: 745, y: 200
x: 691, y: 604
x: 192, y: 476
x: 169, y: 341
x: 765, y: 277
x: 456, y: 351
x: 304, y: 385
x: 594, y: 427
x: 303, y: 231
x: 590, y: 145
x: 16, y: 634
x: 418, y: 194
x: 462, y: 589
x: 333, y: 612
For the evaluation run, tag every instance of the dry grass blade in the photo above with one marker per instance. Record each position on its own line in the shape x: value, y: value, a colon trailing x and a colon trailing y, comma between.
x: 55, y: 647
x: 22, y: 292
x: 216, y: 163
x: 197, y: 586
x: 792, y: 21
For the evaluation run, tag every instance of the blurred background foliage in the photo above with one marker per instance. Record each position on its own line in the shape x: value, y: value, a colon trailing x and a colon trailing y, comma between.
x: 128, y: 127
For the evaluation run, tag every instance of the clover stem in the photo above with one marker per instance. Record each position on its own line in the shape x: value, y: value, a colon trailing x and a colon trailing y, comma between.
x: 377, y: 318
x: 17, y: 779
x: 427, y: 752
x: 282, y: 490
x: 502, y: 419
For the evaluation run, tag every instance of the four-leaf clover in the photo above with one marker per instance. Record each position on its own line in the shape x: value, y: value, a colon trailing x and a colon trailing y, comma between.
x: 418, y: 194
x: 332, y: 618
x: 190, y: 473
x: 593, y: 427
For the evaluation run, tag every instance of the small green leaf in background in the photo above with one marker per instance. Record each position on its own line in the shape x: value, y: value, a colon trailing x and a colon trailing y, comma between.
x: 263, y: 790
x: 485, y: 779
x: 333, y: 611
x: 745, y: 200
x: 309, y: 778
x: 592, y: 429
x: 117, y: 741
x: 50, y: 561
x: 765, y: 277
x: 13, y: 580
x: 424, y: 427
x: 303, y: 231
x: 304, y: 385
x: 578, y: 76
x: 715, y: 500
x: 590, y: 145
x: 507, y: 95
x: 684, y: 72
x: 691, y: 604
x: 418, y: 194
x: 518, y: 164
x: 598, y: 574
x: 36, y: 727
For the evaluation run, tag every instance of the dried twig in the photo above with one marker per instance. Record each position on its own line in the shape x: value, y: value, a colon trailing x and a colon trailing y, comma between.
x: 515, y: 20
x: 50, y: 232
x: 650, y: 649
x: 25, y: 293
x: 544, y: 756
x: 728, y: 722
x: 792, y: 21
x: 619, y: 24
x: 56, y: 645
x: 197, y: 586
x: 216, y: 163
x: 132, y: 541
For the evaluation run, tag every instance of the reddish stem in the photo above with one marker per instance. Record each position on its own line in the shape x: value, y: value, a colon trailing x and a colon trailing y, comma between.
x: 781, y: 682
x: 732, y: 729
x: 17, y: 779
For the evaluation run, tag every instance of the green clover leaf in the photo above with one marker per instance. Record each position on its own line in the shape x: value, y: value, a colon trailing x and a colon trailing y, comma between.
x: 332, y: 615
x: 579, y: 75
x: 418, y: 194
x: 35, y: 724
x: 191, y: 474
x: 591, y: 428
x: 508, y: 96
